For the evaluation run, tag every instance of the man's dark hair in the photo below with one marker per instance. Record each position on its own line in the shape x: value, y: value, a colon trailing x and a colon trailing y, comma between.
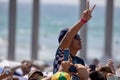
x: 96, y: 75
x: 62, y: 34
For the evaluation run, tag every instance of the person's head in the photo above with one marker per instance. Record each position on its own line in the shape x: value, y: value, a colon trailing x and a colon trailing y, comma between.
x: 35, y: 75
x: 118, y: 66
x: 26, y: 66
x: 118, y: 70
x: 95, y: 61
x: 61, y: 76
x: 96, y: 75
x: 76, y: 41
x: 105, y: 70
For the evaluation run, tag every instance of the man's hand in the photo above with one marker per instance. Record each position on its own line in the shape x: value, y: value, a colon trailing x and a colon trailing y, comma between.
x: 110, y: 63
x: 87, y: 13
x: 65, y: 65
x: 82, y: 72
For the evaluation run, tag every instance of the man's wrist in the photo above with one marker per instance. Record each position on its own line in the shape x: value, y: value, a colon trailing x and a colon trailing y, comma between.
x: 83, y: 20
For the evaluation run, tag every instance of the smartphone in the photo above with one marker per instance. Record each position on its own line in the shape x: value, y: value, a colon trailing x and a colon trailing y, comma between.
x: 66, y: 57
x: 66, y: 54
x: 92, y: 67
x: 114, y: 77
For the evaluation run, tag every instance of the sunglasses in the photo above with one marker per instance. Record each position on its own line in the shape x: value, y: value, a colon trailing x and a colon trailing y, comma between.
x: 77, y: 37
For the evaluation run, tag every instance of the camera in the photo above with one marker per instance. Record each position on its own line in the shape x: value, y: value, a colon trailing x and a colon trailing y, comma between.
x: 72, y: 69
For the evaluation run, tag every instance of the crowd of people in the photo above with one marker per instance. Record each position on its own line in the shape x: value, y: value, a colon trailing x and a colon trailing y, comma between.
x: 94, y: 71
x: 66, y: 65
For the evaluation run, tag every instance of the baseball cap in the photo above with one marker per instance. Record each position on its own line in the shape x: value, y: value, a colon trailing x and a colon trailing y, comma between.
x: 61, y: 76
x: 33, y: 72
x: 63, y: 32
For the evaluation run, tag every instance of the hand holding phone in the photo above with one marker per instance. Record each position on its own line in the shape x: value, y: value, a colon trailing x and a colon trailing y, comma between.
x: 92, y: 67
x: 6, y: 70
x: 66, y: 57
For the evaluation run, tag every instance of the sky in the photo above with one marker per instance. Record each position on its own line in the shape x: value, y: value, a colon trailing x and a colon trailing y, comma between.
x: 69, y: 2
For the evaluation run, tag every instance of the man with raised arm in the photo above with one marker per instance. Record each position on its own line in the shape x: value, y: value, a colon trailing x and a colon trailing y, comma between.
x: 70, y: 40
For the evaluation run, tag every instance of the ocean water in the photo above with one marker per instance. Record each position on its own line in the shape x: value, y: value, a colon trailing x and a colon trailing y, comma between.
x: 52, y: 19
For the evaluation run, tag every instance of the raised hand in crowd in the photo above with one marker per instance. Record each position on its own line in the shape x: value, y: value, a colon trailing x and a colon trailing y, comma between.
x: 110, y: 63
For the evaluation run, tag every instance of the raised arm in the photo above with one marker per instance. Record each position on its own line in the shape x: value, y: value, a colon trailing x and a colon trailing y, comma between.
x: 67, y: 39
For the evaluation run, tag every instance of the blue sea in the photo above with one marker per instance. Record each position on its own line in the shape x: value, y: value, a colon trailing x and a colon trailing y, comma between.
x: 53, y: 18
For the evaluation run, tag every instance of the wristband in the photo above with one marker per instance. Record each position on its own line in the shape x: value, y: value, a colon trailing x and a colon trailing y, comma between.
x: 83, y: 21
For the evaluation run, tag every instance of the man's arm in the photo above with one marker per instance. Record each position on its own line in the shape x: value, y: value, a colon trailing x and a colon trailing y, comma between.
x: 66, y: 41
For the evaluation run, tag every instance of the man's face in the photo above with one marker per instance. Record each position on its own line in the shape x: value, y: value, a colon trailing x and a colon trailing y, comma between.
x: 76, y: 42
x: 26, y: 67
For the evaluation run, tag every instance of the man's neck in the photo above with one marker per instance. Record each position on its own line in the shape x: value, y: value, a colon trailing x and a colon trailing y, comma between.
x: 73, y: 51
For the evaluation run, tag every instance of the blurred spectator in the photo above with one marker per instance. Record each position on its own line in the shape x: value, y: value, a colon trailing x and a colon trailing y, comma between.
x: 96, y: 75
x: 96, y: 62
x: 7, y: 74
x: 106, y: 70
x: 110, y: 63
x: 118, y: 70
x: 24, y: 68
x: 35, y: 75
